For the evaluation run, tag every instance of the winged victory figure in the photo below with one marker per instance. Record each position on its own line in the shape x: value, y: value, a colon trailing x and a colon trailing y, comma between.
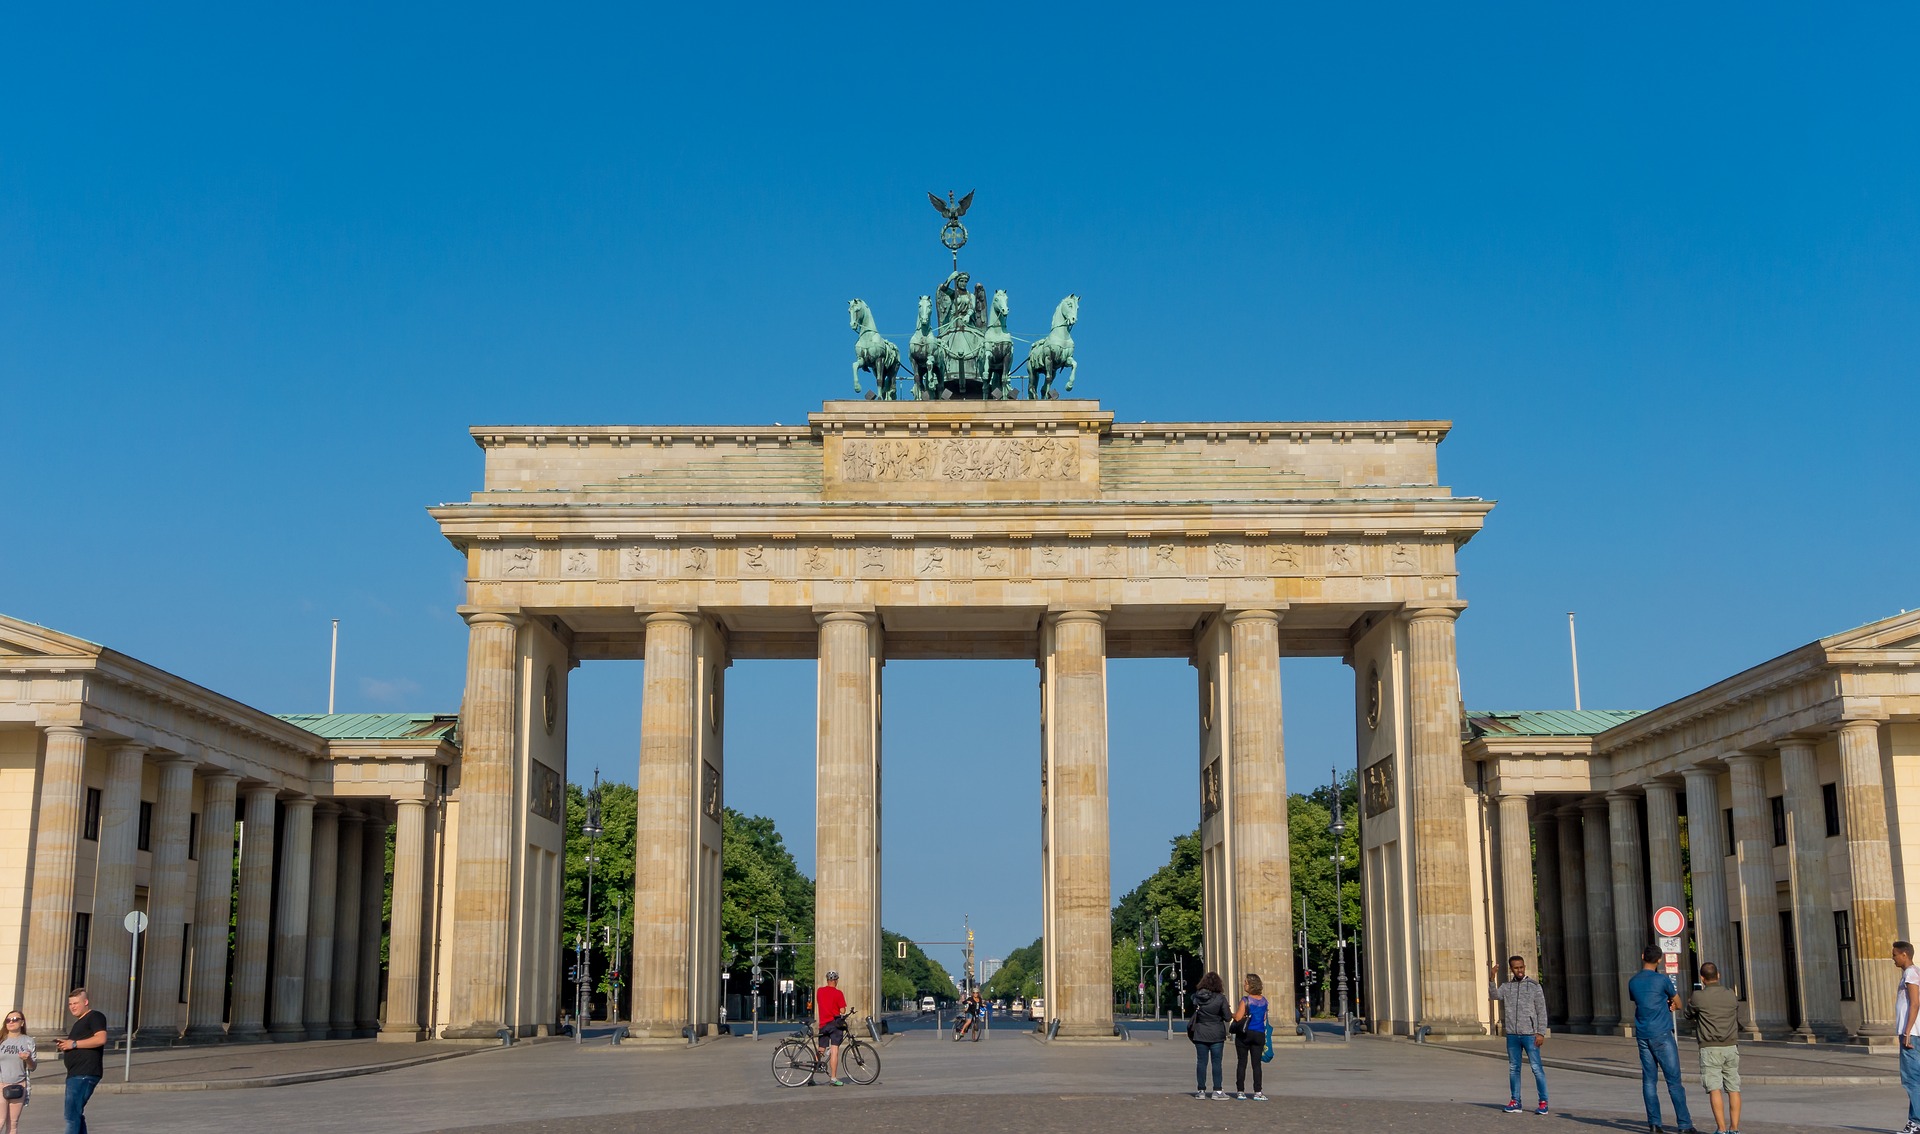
x: 948, y: 208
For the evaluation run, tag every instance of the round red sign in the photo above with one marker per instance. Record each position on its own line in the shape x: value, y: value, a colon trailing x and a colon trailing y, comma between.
x: 1669, y: 922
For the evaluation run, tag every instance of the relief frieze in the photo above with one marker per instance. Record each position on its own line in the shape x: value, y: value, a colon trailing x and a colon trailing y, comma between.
x: 961, y: 459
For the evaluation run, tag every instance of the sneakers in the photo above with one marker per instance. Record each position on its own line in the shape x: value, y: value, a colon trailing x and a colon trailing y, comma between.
x: 1541, y: 1109
x: 1259, y: 1096
x: 1513, y: 1106
x: 1240, y: 1097
x: 1219, y: 1096
x: 1199, y: 1094
x: 835, y: 1082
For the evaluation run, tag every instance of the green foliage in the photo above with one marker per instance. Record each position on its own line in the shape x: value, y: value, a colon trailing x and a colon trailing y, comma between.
x: 1020, y: 975
x: 610, y: 935
x: 1309, y: 819
x: 916, y: 976
x: 760, y: 879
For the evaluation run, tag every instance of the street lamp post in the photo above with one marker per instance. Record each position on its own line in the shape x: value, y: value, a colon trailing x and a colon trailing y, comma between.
x: 1339, y: 908
x: 591, y: 829
x: 1140, y: 961
x: 1156, y: 965
x: 756, y: 976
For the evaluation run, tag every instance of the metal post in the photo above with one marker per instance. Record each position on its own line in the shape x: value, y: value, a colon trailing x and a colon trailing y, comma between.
x: 1156, y: 964
x: 135, y: 922
x: 1573, y: 645
x: 756, y: 976
x: 1340, y: 906
x: 333, y: 665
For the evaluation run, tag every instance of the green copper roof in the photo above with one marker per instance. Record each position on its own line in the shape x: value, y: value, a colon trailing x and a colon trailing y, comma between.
x: 376, y: 726
x: 1549, y: 722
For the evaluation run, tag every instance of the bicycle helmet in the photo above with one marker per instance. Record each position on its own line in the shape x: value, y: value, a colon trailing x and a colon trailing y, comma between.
x: 831, y: 975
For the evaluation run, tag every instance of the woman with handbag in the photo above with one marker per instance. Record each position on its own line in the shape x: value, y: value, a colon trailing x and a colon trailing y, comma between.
x: 1207, y: 1028
x: 1249, y: 1028
x: 16, y: 1063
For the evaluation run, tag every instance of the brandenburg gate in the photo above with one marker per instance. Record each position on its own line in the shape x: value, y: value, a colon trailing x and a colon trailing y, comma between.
x: 1038, y: 529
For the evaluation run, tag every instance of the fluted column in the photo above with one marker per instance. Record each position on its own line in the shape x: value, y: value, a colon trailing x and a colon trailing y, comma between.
x: 1553, y: 955
x: 110, y: 952
x: 666, y: 825
x: 1516, y: 883
x: 1257, y: 778
x: 373, y: 895
x: 403, y: 931
x: 1573, y: 920
x: 1079, y: 850
x: 1665, y: 884
x: 323, y: 896
x: 1870, y: 864
x: 1759, y: 899
x: 346, y: 925
x: 1450, y: 989
x: 167, y: 901
x: 290, y: 922
x: 1706, y: 865
x: 1629, y: 890
x: 212, y: 910
x: 56, y: 863
x: 247, y: 1019
x: 477, y: 999
x: 847, y: 807
x: 1816, y: 951
x: 1602, y: 934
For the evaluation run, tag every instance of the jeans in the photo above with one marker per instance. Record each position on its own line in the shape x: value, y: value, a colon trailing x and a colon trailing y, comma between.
x: 1251, y: 1048
x: 1665, y: 1051
x: 79, y: 1090
x: 1528, y: 1046
x: 1910, y: 1079
x: 1203, y: 1052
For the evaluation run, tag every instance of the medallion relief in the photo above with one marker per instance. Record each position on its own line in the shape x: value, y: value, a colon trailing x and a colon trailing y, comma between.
x: 639, y: 561
x: 579, y: 563
x: 519, y: 562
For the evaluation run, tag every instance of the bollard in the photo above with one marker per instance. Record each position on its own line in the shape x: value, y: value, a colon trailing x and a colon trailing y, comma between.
x: 506, y: 1037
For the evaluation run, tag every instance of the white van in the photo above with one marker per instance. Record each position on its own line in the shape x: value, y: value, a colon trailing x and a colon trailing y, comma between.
x: 1039, y: 1009
x: 927, y: 1006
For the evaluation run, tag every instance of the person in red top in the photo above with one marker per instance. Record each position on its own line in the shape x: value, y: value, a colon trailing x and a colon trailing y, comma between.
x: 832, y: 1004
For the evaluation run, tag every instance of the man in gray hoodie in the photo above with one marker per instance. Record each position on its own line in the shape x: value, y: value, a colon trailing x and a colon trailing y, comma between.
x: 1523, y: 1010
x: 1716, y: 1026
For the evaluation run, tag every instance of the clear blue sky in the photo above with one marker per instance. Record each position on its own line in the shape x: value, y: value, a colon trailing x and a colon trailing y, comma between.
x: 260, y: 269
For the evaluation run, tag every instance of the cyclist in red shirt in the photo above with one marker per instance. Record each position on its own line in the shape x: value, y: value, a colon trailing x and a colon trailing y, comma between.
x: 832, y: 1005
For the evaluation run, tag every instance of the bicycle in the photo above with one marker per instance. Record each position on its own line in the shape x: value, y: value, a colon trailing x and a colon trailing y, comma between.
x: 799, y: 1058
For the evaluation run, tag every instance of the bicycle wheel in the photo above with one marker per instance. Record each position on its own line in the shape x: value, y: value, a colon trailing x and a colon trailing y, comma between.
x: 793, y: 1064
x: 860, y: 1062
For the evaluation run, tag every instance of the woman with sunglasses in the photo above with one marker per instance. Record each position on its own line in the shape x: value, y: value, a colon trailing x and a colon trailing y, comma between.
x: 16, y: 1063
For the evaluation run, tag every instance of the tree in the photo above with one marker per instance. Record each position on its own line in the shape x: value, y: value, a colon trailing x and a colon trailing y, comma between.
x: 610, y: 940
x: 1020, y: 975
x: 1173, y: 894
x: 1309, y: 819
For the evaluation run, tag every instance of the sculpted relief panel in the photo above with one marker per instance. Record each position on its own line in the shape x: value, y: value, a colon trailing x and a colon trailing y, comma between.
x: 962, y: 459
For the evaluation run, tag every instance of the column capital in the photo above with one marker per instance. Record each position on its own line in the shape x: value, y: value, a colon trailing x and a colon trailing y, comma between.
x: 670, y: 617
x: 1806, y: 742
x: 79, y: 730
x: 174, y: 760
x: 256, y: 790
x: 1860, y: 724
x: 405, y: 802
x: 1744, y: 759
x: 482, y: 615
x: 1623, y: 793
x: 352, y: 816
x: 218, y: 774
x: 127, y: 748
x: 1077, y: 615
x: 1516, y: 793
x: 305, y: 801
x: 1694, y: 773
x: 864, y: 616
x: 1593, y: 805
x: 1271, y: 614
x: 1426, y: 611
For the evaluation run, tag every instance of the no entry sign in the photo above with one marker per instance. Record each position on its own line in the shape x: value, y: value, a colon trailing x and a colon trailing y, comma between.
x: 1669, y: 922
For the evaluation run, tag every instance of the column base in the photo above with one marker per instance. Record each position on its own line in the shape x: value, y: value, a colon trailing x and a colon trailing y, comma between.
x: 486, y: 1030
x: 400, y: 1035
x: 287, y: 1033
x: 254, y: 1034
x: 205, y: 1033
x: 1446, y: 1030
x: 1096, y: 1030
x: 339, y: 1031
x: 319, y: 1032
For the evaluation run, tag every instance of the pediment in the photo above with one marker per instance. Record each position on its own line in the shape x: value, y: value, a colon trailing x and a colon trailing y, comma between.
x: 20, y: 639
x: 1900, y: 632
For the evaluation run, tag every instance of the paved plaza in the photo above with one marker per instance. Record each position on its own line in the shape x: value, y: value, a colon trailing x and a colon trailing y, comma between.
x: 1008, y: 1082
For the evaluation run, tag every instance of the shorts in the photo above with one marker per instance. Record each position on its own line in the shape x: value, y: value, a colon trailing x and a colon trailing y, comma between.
x: 832, y: 1035
x: 1720, y: 1068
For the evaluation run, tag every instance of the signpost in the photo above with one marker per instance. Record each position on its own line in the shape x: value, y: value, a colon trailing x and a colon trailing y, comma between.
x: 136, y: 923
x: 1669, y: 923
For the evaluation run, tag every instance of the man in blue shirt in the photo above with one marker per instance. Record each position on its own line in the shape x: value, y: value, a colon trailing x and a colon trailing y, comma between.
x: 1654, y: 1002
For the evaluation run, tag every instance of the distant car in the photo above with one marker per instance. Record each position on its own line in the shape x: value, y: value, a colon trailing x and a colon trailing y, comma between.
x: 927, y: 1005
x: 1039, y: 1010
x: 1019, y: 1007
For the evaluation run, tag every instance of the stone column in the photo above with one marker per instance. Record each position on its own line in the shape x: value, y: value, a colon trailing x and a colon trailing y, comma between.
x: 373, y: 896
x: 247, y: 1019
x: 1706, y: 864
x: 1257, y: 775
x: 665, y: 827
x: 1081, y: 862
x: 1666, y: 886
x: 109, y: 953
x: 1553, y: 955
x: 1816, y: 951
x: 1630, y: 911
x: 1870, y: 863
x: 290, y: 924
x: 1450, y: 988
x: 1759, y: 897
x: 346, y: 925
x: 1573, y: 919
x: 847, y: 808
x: 56, y: 857
x: 403, y: 933
x: 1516, y: 883
x: 1602, y: 935
x: 323, y: 897
x: 212, y: 910
x: 167, y: 902
x: 477, y: 998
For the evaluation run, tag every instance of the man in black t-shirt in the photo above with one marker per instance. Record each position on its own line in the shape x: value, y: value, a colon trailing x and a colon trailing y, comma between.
x: 84, y: 1052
